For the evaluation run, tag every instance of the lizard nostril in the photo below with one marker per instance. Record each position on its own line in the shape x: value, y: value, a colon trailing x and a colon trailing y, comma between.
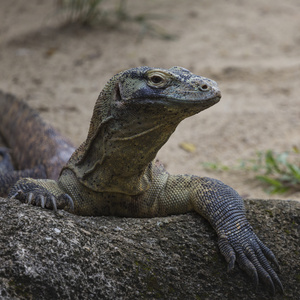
x: 204, y: 87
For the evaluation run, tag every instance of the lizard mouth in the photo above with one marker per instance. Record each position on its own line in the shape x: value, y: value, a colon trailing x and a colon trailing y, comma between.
x: 200, y: 100
x: 205, y: 103
x: 201, y: 104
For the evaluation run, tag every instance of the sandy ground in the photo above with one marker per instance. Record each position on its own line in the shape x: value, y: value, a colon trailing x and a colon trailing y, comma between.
x: 251, y: 48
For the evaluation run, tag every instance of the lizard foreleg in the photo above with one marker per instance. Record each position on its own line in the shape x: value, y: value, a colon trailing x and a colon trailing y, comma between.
x: 223, y: 207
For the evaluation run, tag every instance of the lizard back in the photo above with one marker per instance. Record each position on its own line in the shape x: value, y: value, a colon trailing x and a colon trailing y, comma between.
x: 33, y: 143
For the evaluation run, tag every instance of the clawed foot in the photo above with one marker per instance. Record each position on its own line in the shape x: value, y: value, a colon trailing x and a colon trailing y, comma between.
x: 35, y: 192
x: 252, y: 256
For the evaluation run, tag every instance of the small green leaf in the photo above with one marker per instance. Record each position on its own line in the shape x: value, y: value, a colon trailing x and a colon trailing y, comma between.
x: 295, y: 171
x: 271, y: 162
x: 278, y: 190
x: 269, y: 180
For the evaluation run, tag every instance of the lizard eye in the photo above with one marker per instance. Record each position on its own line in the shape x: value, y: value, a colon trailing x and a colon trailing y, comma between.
x: 157, y: 79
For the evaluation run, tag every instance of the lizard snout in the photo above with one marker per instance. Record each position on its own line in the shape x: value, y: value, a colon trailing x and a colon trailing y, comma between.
x: 204, y: 87
x: 207, y: 85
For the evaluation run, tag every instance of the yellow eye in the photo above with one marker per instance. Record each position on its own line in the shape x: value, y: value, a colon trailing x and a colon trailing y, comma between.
x: 157, y: 78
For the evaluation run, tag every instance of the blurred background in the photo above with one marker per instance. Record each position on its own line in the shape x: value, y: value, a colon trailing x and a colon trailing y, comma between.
x: 57, y: 55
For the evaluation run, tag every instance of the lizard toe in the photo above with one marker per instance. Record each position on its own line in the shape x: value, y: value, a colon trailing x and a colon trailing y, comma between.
x: 32, y: 192
x: 246, y: 265
x: 263, y: 254
x: 14, y: 193
x: 227, y: 251
x: 252, y: 257
x: 29, y: 198
x: 69, y: 201
x: 53, y: 202
x: 268, y: 253
x: 42, y: 201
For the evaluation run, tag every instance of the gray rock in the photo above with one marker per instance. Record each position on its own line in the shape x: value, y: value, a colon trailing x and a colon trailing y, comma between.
x: 63, y: 256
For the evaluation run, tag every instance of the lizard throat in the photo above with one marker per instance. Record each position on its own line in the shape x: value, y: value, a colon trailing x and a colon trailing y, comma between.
x: 119, y: 161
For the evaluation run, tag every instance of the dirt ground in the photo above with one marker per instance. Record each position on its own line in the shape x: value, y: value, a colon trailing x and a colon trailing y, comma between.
x: 251, y: 48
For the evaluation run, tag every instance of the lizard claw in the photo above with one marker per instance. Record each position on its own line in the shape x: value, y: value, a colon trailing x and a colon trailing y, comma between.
x: 15, y: 194
x: 70, y: 201
x: 30, y: 196
x: 227, y: 251
x: 42, y: 201
x: 34, y: 192
x: 53, y: 201
x: 252, y: 256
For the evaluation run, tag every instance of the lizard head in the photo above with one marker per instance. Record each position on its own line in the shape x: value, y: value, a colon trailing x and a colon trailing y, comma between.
x: 172, y: 89
x: 144, y: 100
x: 175, y: 93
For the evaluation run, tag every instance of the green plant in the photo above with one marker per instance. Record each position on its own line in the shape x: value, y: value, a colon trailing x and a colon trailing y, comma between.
x: 279, y: 171
x: 89, y: 13
x: 215, y: 166
x: 143, y: 20
x: 83, y: 12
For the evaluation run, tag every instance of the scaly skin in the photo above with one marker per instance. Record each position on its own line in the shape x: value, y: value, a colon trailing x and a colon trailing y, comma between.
x: 113, y: 172
x: 38, y: 150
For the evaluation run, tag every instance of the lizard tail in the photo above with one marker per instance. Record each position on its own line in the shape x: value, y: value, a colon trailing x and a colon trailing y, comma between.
x: 32, y: 141
x: 14, y: 117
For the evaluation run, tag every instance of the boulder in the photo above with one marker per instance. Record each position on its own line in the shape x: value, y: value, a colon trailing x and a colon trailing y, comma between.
x: 44, y: 255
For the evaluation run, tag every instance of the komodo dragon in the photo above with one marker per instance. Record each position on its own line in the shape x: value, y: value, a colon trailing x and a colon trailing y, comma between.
x: 113, y: 172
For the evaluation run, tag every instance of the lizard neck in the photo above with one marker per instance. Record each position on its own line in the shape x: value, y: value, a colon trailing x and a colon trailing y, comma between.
x: 119, y: 158
x: 121, y: 144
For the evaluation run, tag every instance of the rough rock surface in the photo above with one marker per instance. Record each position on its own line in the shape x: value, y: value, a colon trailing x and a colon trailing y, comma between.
x: 63, y: 256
